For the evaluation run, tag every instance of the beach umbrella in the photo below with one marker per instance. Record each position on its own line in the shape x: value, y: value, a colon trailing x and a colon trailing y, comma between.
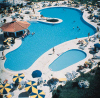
x: 5, y: 88
x: 18, y: 77
x: 37, y: 94
x: 36, y: 73
x: 31, y: 86
x: 15, y: 25
x: 97, y: 45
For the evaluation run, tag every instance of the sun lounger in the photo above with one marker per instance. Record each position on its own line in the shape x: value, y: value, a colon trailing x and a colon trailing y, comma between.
x: 75, y: 74
x: 94, y: 63
x: 69, y: 76
x: 81, y: 47
x: 5, y: 81
x: 95, y: 37
x: 20, y: 86
x: 52, y: 87
x: 94, y: 50
x: 10, y: 95
x: 80, y: 42
x: 49, y: 4
x: 92, y: 39
x: 56, y: 4
x: 90, y: 17
x: 87, y: 41
x: 96, y: 57
x: 83, y: 70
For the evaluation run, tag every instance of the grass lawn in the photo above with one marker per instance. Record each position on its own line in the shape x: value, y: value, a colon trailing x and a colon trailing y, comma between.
x: 72, y: 90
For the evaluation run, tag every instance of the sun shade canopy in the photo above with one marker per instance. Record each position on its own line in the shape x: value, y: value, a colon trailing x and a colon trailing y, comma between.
x: 15, y: 26
x: 18, y: 77
x: 5, y: 88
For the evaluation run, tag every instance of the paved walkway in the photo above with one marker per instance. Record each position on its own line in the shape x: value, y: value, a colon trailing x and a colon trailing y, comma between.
x: 45, y: 60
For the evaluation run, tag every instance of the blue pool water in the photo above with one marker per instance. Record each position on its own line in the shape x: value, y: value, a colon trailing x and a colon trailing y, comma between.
x: 47, y: 36
x: 66, y: 59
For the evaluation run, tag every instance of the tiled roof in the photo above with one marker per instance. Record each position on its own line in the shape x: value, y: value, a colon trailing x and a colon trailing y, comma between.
x: 15, y: 26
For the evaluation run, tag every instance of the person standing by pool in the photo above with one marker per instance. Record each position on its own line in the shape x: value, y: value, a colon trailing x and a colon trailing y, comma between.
x: 53, y: 50
x: 2, y: 53
x: 88, y: 36
x: 3, y: 56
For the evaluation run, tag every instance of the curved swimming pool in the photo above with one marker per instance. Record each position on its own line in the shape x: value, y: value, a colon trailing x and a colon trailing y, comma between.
x: 47, y: 36
x: 66, y: 59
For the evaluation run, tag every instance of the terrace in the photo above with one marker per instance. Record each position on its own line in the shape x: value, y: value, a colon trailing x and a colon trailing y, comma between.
x: 46, y: 59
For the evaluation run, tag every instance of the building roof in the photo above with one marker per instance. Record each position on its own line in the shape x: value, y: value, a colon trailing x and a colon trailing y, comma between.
x: 15, y: 26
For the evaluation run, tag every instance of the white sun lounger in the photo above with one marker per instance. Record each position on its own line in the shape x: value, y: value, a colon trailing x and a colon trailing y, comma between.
x: 75, y: 74
x: 96, y: 57
x: 81, y: 47
x: 69, y: 76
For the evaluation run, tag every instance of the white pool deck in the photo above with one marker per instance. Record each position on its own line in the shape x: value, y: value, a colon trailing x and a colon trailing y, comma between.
x: 45, y: 60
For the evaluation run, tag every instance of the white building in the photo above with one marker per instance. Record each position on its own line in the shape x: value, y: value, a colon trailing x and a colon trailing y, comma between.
x: 15, y: 2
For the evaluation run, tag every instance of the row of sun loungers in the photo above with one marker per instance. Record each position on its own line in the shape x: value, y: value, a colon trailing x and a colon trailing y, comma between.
x: 88, y: 65
x: 83, y: 43
x: 71, y: 76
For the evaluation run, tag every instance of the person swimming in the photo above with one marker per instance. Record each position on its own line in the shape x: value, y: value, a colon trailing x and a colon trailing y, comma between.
x: 33, y: 33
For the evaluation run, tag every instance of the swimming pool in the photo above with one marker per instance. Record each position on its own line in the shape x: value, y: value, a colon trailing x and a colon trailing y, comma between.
x: 68, y: 58
x: 47, y: 36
